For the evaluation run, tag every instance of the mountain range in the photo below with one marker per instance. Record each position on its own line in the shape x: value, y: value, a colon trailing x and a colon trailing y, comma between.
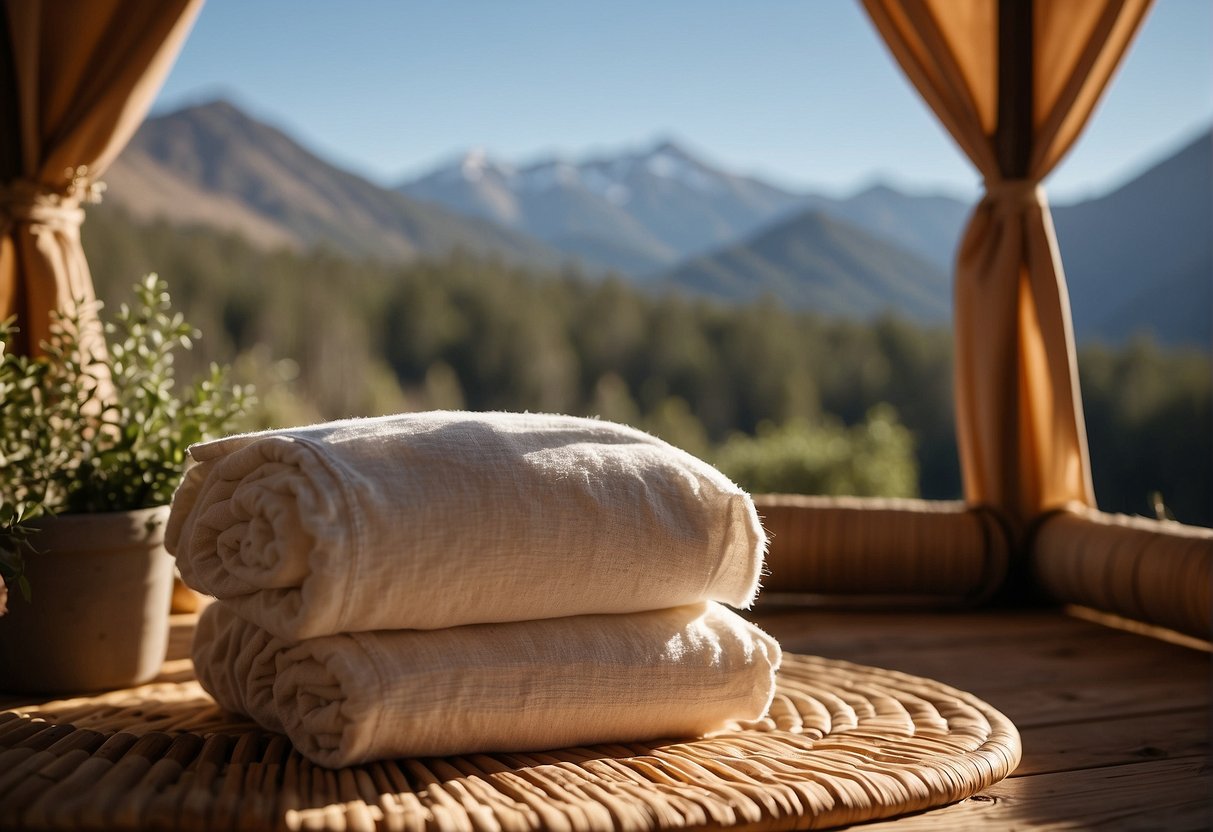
x: 1140, y: 258
x: 816, y: 261
x: 1136, y: 258
x: 214, y: 165
x: 636, y: 212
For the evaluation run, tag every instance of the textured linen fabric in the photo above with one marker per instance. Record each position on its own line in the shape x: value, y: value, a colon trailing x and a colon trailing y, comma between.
x: 518, y: 686
x: 439, y: 519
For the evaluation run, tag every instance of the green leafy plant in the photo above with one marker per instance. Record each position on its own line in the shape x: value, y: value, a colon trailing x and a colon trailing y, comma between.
x: 872, y: 459
x: 87, y: 432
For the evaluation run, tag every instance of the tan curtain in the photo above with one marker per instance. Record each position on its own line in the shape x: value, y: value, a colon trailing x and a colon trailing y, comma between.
x: 76, y: 79
x: 1019, y: 417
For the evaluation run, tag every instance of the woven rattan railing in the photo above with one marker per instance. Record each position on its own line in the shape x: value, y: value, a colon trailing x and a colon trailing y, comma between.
x: 862, y: 547
x: 1154, y: 571
x: 847, y: 548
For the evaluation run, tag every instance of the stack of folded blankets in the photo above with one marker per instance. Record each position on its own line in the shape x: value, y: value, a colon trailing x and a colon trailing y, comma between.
x: 445, y: 583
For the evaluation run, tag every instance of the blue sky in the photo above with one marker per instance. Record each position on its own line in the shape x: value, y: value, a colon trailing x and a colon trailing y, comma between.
x: 801, y: 92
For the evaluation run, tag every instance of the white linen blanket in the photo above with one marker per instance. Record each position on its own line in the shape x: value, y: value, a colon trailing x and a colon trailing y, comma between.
x: 439, y: 519
x: 520, y: 686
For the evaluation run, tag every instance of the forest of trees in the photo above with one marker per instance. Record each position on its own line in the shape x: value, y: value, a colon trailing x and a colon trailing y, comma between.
x: 779, y: 400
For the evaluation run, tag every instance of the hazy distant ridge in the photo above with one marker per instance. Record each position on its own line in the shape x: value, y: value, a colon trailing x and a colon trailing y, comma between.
x: 818, y: 262
x: 1139, y: 258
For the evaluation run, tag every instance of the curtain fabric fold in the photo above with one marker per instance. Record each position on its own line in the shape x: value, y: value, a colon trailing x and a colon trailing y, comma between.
x: 1019, y: 416
x: 76, y: 79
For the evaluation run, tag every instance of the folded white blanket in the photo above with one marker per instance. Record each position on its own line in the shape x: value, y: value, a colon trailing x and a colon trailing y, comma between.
x: 439, y: 519
x: 521, y: 686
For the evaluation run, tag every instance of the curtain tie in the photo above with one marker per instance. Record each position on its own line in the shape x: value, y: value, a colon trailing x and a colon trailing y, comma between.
x: 56, y: 209
x: 1012, y: 194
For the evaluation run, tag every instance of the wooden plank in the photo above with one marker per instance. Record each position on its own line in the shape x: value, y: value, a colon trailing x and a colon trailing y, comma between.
x: 1038, y: 668
x: 1145, y: 797
x: 1171, y: 736
x: 866, y: 629
x: 1107, y: 619
x: 1060, y: 666
x: 1060, y: 703
x: 1053, y: 642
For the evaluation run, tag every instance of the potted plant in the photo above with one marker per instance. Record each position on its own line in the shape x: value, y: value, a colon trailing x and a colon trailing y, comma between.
x: 91, y: 448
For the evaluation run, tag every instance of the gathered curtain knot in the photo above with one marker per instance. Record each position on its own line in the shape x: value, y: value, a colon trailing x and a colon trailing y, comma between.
x: 48, y: 206
x: 1015, y: 193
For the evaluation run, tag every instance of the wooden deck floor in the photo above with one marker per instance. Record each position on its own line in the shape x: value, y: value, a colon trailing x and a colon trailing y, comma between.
x: 1115, y: 725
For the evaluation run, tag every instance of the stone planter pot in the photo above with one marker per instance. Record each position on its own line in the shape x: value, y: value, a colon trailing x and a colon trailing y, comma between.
x: 99, y: 614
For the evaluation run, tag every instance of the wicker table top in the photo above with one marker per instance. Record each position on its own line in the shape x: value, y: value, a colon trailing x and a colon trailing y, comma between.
x: 844, y: 743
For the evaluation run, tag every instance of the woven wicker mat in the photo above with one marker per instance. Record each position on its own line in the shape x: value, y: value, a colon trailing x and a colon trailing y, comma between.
x: 844, y: 743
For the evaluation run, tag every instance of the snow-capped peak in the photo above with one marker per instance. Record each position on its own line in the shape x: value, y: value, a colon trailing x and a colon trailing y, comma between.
x: 669, y: 161
x: 669, y: 147
x: 550, y: 174
x: 665, y: 161
x: 474, y: 166
x: 614, y: 178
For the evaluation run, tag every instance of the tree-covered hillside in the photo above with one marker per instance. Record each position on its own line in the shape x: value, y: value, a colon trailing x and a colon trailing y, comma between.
x: 864, y: 407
